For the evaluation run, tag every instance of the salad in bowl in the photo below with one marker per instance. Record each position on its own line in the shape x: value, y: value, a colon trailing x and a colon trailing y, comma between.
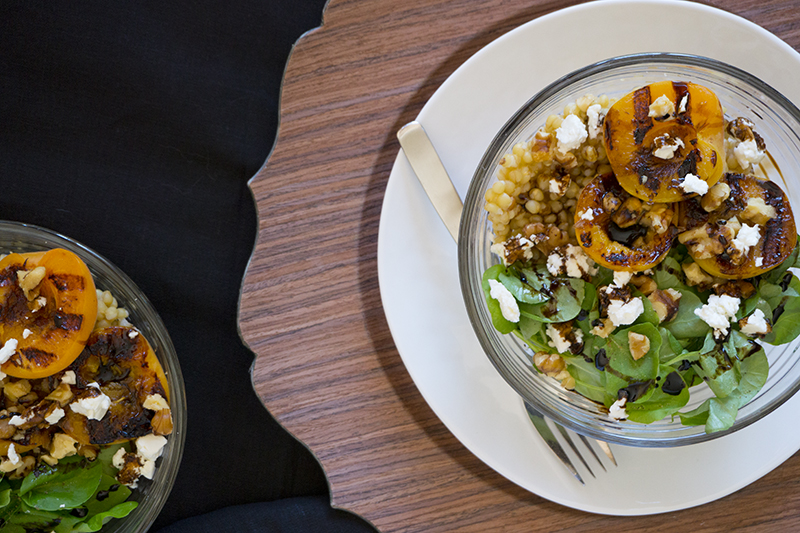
x: 640, y: 247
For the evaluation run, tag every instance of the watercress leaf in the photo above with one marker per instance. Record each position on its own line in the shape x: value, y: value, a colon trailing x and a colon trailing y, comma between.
x: 589, y: 298
x: 719, y: 373
x: 658, y: 405
x: 721, y: 414
x: 666, y: 274
x: 500, y: 323
x: 722, y: 411
x: 686, y: 323
x: 696, y: 417
x: 589, y: 381
x: 670, y: 347
x: 564, y: 305
x: 649, y: 315
x: 604, y: 276
x: 522, y: 292
x: 787, y: 327
x: 67, y: 489
x: 770, y: 293
x: 96, y: 522
x: 621, y: 360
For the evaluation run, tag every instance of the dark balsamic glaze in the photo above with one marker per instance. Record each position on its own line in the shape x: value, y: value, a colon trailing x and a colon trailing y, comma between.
x: 601, y: 360
x: 634, y: 391
x: 626, y: 236
x: 673, y: 384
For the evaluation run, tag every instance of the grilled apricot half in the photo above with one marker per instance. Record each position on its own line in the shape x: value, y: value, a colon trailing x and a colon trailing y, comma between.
x: 124, y: 365
x: 713, y: 228
x: 618, y: 231
x: 656, y: 135
x: 48, y: 304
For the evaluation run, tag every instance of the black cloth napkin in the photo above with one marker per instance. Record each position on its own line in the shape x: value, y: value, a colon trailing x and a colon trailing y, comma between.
x: 133, y: 127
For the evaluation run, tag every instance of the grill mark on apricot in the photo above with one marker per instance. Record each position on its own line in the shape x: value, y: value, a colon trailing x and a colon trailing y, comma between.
x: 67, y: 321
x: 682, y: 89
x: 642, y: 121
x: 67, y: 282
x: 27, y: 357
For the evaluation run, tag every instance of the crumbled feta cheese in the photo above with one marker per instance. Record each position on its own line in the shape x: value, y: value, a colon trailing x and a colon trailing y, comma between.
x: 755, y: 324
x: 13, y: 456
x: 571, y: 260
x: 667, y: 150
x: 747, y: 153
x: 624, y: 313
x: 133, y: 334
x: 55, y: 416
x: 95, y: 407
x: 718, y: 313
x: 674, y: 294
x: 747, y: 237
x: 17, y: 420
x: 499, y: 250
x: 693, y: 184
x: 682, y: 105
x: 555, y: 263
x: 661, y: 107
x: 69, y: 377
x: 150, y: 446
x: 155, y: 402
x: 578, y: 263
x: 593, y: 116
x: 508, y: 304
x: 26, y: 333
x: 621, y: 278
x: 759, y: 261
x: 617, y: 409
x: 571, y: 134
x: 8, y: 349
x: 558, y: 342
x: 118, y: 461
x: 587, y: 215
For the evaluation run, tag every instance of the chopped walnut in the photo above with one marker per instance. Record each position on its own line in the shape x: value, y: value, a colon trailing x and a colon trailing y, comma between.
x: 628, y: 213
x: 757, y: 212
x: 738, y: 288
x: 715, y: 196
x: 645, y: 284
x: 602, y: 327
x: 665, y: 304
x: 658, y: 217
x: 639, y: 345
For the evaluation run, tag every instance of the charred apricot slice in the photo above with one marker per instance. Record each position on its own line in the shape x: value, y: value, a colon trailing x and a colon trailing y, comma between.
x: 124, y: 365
x: 618, y: 236
x: 712, y: 227
x: 656, y: 135
x: 48, y: 304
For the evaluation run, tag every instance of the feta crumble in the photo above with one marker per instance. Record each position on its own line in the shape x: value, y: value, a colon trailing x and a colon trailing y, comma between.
x: 617, y: 409
x: 69, y: 377
x: 571, y: 134
x: 747, y: 153
x: 747, y: 237
x: 693, y: 184
x: 682, y: 105
x: 558, y: 342
x: 508, y: 304
x: 624, y: 313
x: 718, y: 313
x: 661, y: 107
x: 668, y: 149
x: 95, y: 407
x: 593, y: 116
x: 13, y: 456
x: 759, y: 261
x: 55, y: 416
x: 8, y: 349
x: 755, y: 324
x: 587, y: 215
x: 621, y: 278
x: 26, y: 333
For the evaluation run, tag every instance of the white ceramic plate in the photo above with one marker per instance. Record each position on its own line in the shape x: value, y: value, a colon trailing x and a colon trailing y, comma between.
x: 418, y: 272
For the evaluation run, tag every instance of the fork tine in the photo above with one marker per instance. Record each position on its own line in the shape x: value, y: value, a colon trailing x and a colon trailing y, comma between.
x: 544, y: 431
x: 607, y: 450
x: 591, y: 450
x: 574, y: 449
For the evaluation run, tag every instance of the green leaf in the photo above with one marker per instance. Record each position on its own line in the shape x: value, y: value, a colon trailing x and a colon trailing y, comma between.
x: 97, y: 521
x: 522, y: 292
x: 787, y: 328
x: 66, y: 489
x: 589, y: 381
x: 565, y: 304
x: 621, y: 360
x: 686, y: 324
x: 666, y: 274
x: 499, y: 322
x: 659, y: 404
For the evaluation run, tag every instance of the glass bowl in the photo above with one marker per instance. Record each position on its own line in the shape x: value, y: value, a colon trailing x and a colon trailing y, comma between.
x: 151, y: 495
x: 741, y: 94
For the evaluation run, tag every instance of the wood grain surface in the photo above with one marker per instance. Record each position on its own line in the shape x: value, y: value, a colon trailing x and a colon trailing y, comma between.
x: 326, y: 366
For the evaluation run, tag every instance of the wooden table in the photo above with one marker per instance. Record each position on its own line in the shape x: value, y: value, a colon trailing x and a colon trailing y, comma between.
x: 326, y: 366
